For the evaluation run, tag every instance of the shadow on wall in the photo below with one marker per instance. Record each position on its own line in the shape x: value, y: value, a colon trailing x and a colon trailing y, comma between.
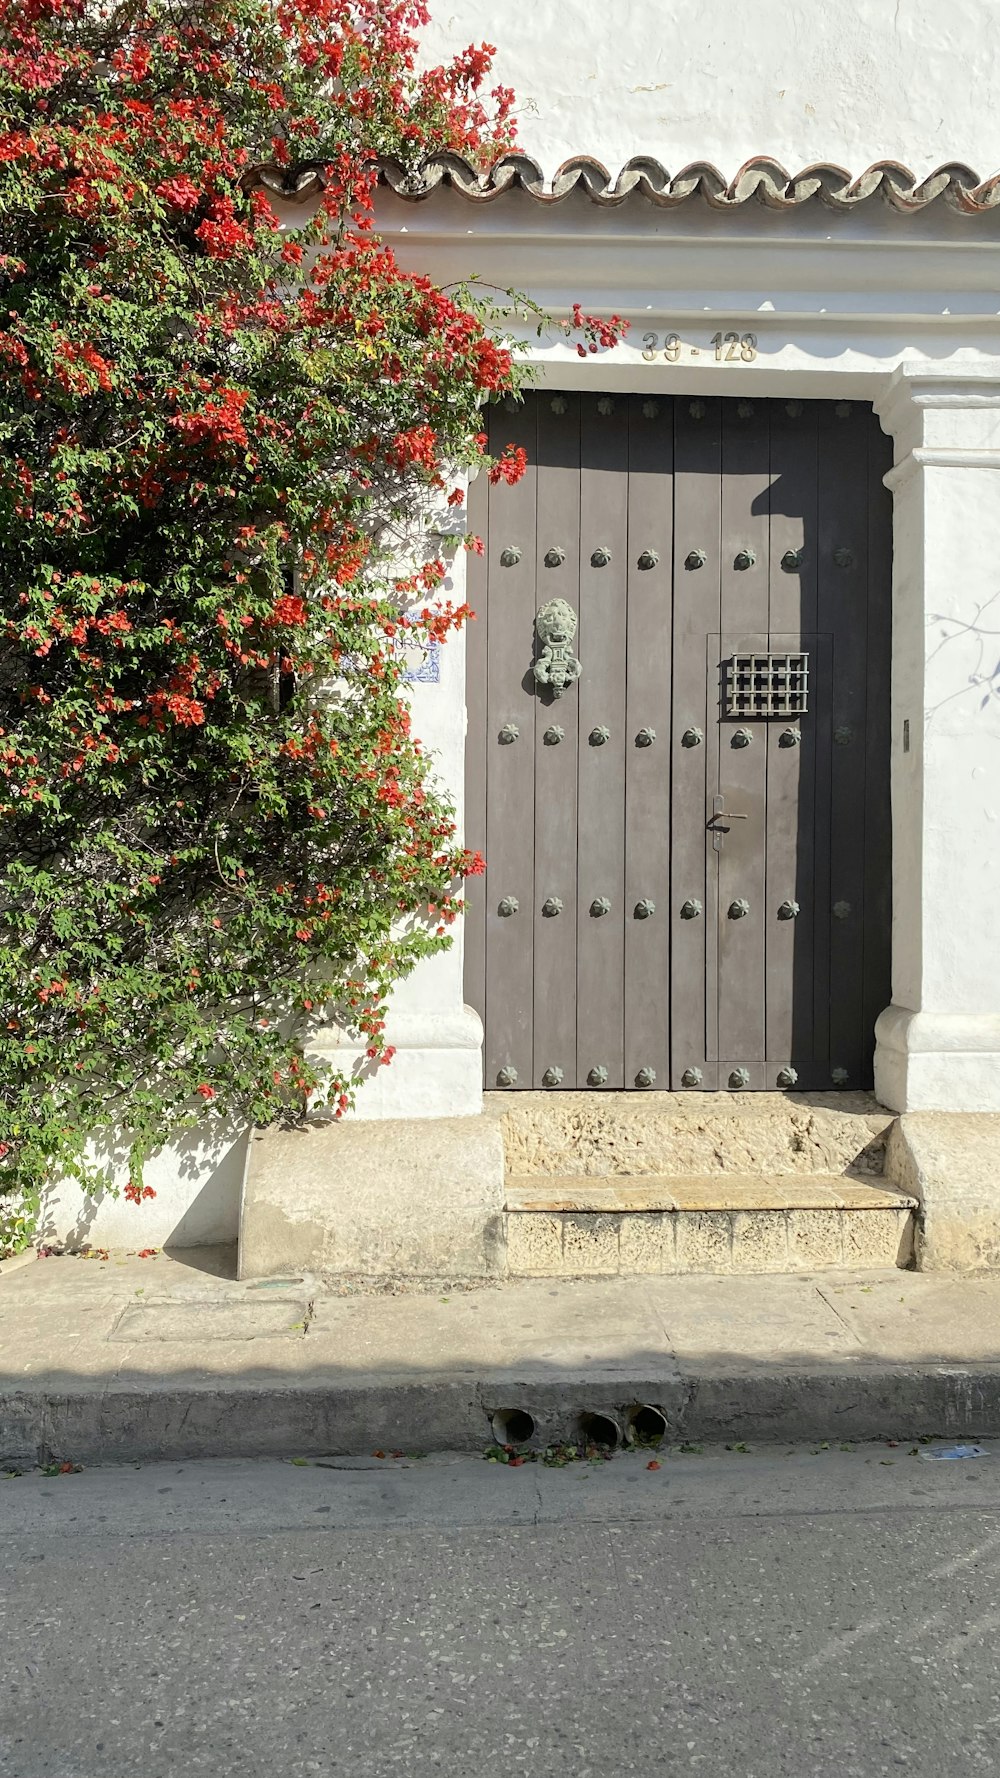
x: 197, y: 1180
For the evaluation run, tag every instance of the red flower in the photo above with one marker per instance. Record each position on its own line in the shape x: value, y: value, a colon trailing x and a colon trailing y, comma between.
x: 289, y: 609
x: 179, y: 193
x: 510, y: 467
x: 219, y: 422
x: 418, y: 446
x: 221, y: 234
x: 135, y: 1195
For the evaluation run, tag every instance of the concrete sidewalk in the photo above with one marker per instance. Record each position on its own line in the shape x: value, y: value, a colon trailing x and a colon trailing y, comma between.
x: 124, y: 1358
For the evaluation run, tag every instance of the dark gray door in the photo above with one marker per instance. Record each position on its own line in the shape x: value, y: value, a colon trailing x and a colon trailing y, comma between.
x: 678, y: 745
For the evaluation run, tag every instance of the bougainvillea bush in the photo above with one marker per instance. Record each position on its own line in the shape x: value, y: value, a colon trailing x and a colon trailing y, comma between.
x: 216, y: 829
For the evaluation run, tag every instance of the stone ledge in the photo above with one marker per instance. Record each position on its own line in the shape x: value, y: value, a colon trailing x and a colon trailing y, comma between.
x: 723, y: 1191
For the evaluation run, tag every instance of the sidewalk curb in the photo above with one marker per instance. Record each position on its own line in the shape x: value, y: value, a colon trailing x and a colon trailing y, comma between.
x: 356, y: 1415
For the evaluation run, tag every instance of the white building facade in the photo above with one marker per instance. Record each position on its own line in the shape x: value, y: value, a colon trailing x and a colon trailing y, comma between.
x: 817, y: 181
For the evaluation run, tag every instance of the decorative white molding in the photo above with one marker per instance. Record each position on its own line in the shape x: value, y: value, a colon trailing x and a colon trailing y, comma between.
x: 836, y: 300
x: 940, y: 459
x: 941, y: 419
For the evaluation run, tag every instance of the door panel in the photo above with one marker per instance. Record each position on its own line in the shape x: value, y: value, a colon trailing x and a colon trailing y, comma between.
x: 743, y: 769
x: 798, y: 801
x: 646, y: 1035
x: 557, y: 576
x: 681, y: 889
x: 769, y: 903
x: 740, y: 855
x: 601, y: 703
x: 508, y: 620
x: 694, y: 741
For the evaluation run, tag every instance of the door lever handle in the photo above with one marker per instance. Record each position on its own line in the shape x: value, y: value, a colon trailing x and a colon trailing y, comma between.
x: 720, y: 820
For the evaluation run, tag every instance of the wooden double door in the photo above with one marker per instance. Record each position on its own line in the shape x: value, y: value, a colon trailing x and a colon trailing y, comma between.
x: 677, y: 755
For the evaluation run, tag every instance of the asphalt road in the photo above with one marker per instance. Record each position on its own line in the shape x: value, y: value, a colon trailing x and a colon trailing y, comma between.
x: 804, y: 1613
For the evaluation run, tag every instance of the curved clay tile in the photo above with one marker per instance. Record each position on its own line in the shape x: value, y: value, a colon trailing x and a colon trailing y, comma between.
x: 761, y: 178
x: 643, y: 176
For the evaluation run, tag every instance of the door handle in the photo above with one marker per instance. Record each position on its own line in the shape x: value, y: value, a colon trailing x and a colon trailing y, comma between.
x: 724, y: 817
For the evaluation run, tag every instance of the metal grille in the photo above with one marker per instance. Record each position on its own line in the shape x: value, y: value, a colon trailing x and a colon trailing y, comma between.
x: 766, y: 685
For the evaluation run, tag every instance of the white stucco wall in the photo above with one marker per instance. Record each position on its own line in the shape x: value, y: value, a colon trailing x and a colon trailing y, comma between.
x: 851, y: 82
x: 197, y: 1180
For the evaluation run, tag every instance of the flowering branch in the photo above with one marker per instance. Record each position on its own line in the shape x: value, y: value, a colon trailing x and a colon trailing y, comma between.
x: 208, y: 425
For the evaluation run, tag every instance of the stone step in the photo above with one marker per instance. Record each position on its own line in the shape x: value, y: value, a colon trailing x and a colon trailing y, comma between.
x: 568, y: 1226
x: 595, y: 1135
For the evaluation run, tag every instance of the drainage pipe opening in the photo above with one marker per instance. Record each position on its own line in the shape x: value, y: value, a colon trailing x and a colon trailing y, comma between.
x: 512, y: 1426
x: 646, y: 1425
x: 600, y: 1429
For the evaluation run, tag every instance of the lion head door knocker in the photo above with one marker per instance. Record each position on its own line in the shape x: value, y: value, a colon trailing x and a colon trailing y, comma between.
x: 555, y: 627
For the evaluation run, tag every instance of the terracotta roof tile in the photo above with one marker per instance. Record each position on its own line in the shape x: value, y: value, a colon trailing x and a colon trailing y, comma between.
x: 642, y: 176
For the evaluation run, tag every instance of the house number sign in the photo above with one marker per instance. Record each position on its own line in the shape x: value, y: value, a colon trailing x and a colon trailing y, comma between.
x: 725, y: 348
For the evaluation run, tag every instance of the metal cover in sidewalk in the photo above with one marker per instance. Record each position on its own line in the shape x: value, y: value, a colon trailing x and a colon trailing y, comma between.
x: 192, y: 1321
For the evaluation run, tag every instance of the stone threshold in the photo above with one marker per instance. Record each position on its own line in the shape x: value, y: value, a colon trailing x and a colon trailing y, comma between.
x: 643, y: 1195
x: 566, y: 1228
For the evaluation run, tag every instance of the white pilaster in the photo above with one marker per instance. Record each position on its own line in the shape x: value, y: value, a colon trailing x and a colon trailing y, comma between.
x: 437, y: 1068
x: 938, y: 1043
